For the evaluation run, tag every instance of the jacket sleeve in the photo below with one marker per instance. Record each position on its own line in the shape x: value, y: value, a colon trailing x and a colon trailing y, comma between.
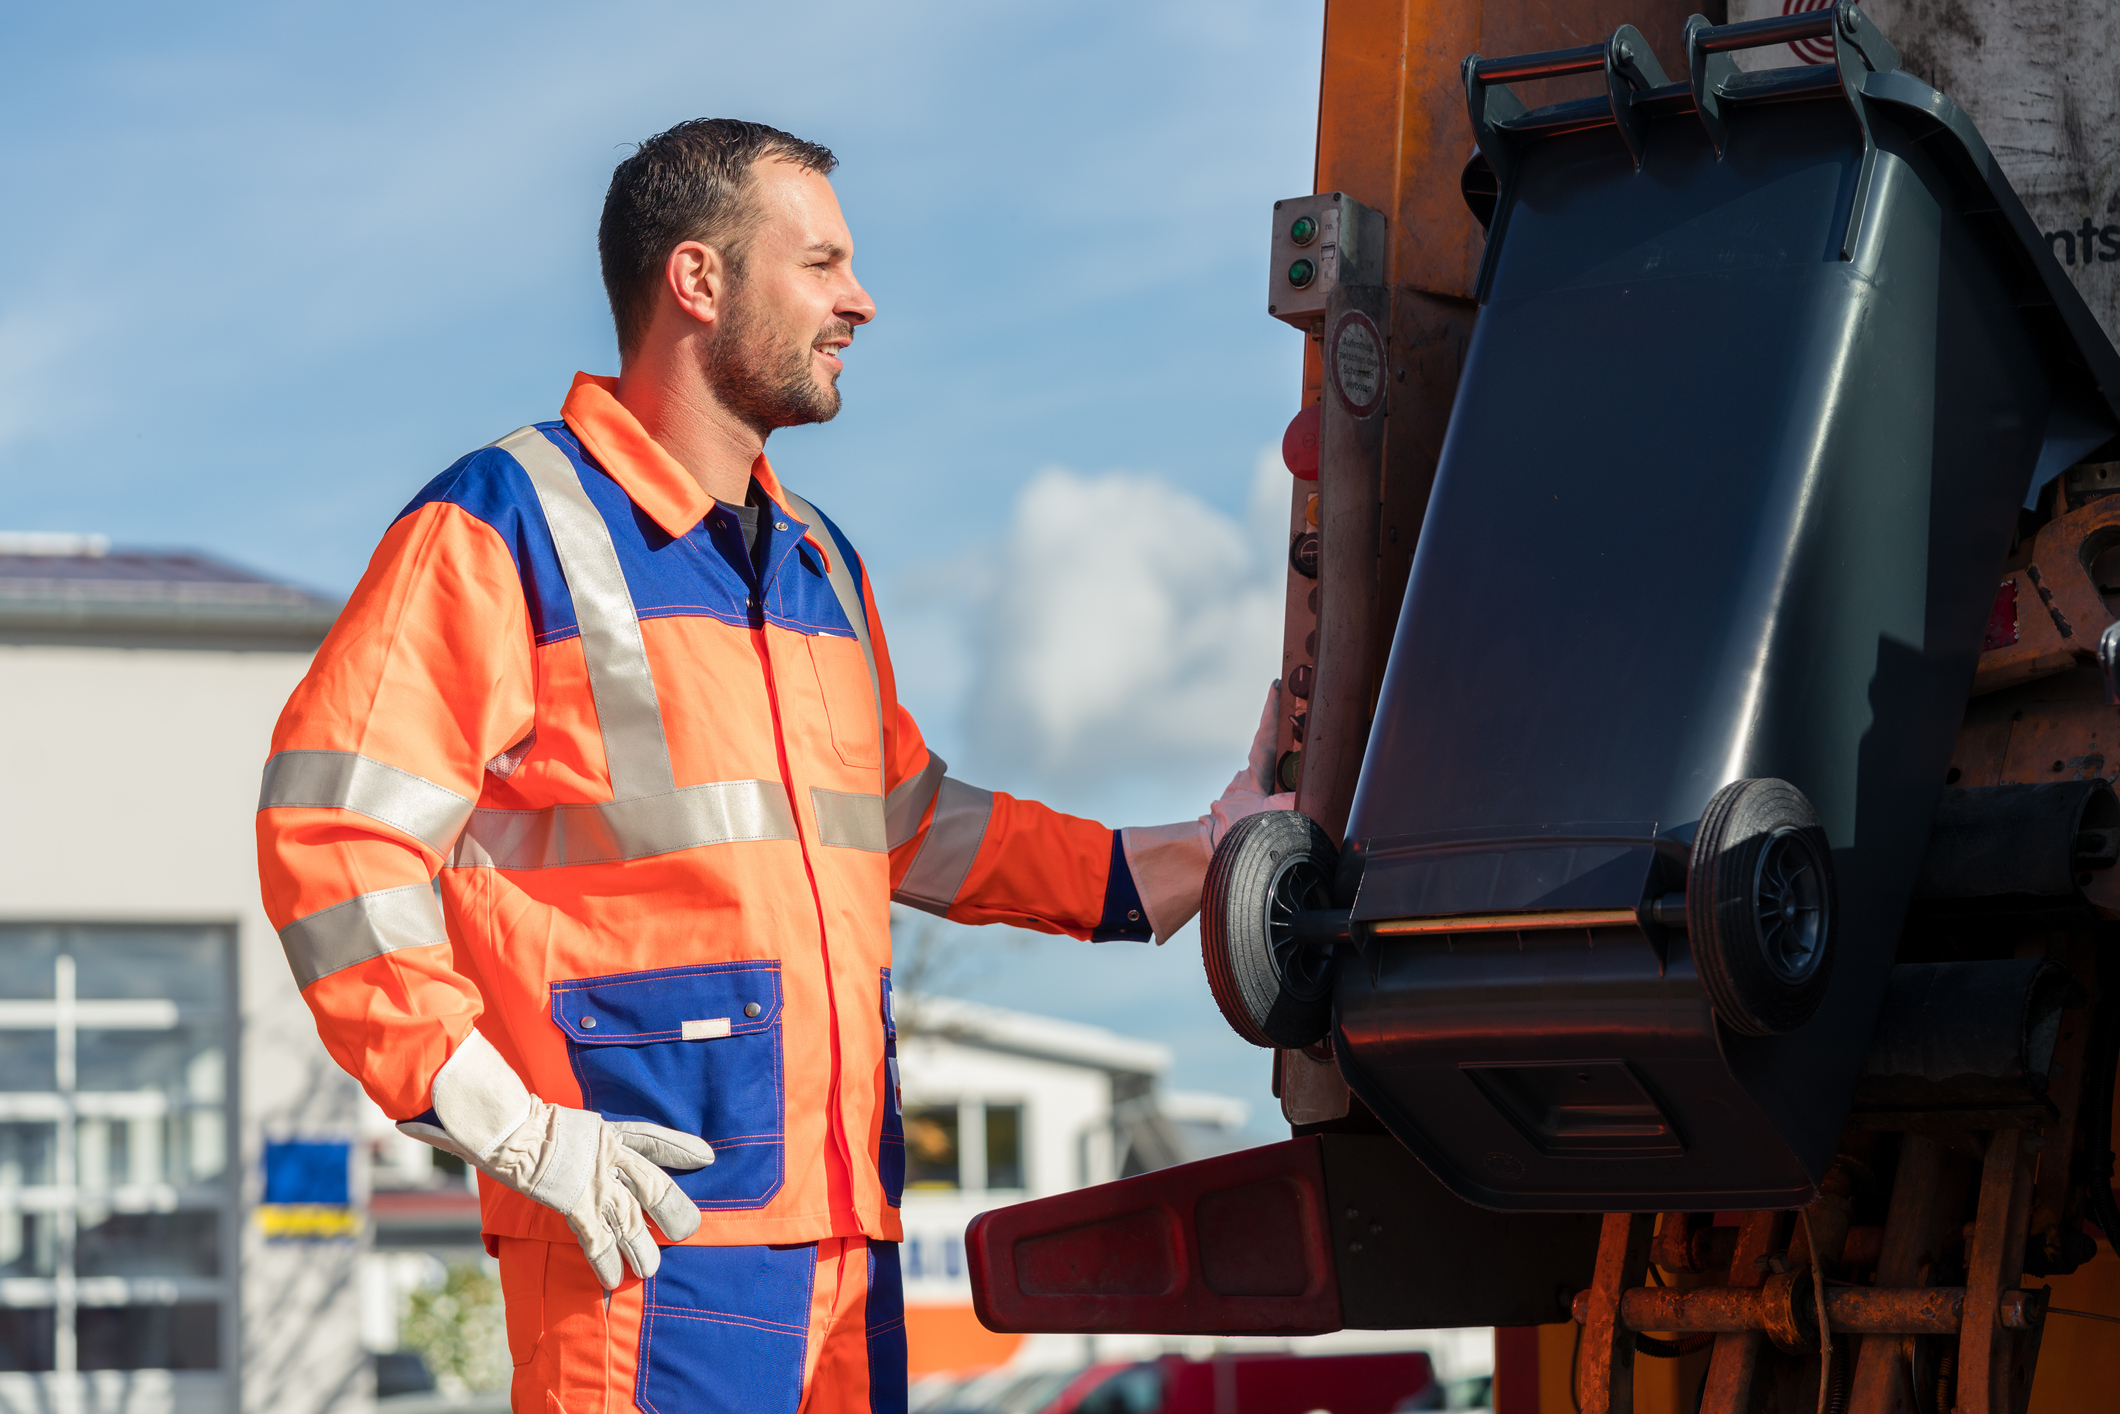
x: 979, y: 856
x: 375, y: 764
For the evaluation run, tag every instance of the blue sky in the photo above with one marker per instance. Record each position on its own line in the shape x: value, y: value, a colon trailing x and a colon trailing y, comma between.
x: 264, y: 270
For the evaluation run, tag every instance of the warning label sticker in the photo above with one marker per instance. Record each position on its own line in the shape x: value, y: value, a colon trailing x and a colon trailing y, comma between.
x: 1357, y: 358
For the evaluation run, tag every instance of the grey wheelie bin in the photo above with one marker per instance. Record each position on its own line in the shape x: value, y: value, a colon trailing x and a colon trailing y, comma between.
x: 1765, y: 366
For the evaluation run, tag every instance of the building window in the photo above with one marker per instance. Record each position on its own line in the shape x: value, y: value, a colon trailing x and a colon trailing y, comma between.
x: 931, y: 1151
x: 117, y: 1200
x: 1004, y: 1146
x: 964, y: 1145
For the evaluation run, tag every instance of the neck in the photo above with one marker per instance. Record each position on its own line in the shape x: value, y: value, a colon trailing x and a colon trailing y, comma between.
x: 668, y: 394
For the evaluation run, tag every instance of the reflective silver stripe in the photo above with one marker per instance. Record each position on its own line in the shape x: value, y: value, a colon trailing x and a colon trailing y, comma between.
x: 904, y: 807
x: 362, y: 928
x: 634, y: 748
x: 345, y: 780
x: 849, y: 821
x: 841, y: 577
x: 718, y: 812
x: 951, y: 845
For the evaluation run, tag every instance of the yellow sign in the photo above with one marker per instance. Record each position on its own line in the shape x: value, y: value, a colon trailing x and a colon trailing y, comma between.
x: 294, y: 1222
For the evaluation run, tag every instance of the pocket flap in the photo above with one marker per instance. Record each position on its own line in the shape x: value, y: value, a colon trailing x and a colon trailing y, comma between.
x: 671, y: 1004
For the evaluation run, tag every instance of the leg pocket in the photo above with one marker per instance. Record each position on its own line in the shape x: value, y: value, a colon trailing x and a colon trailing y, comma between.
x: 724, y: 1330
x: 523, y: 1295
x: 696, y: 1049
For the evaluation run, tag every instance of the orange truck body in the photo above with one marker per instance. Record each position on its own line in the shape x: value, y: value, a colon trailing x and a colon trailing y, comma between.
x: 1393, y: 134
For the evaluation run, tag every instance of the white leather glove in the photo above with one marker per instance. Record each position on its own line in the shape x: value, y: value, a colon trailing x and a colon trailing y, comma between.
x: 1170, y: 861
x: 602, y: 1175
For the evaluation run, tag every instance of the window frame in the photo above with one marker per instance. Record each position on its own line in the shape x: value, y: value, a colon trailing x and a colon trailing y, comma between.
x: 913, y: 1109
x: 65, y: 1015
x: 1022, y: 1107
x: 972, y: 1156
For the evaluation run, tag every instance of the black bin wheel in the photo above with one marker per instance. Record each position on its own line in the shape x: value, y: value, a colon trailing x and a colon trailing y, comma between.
x: 1273, y: 990
x: 1760, y: 907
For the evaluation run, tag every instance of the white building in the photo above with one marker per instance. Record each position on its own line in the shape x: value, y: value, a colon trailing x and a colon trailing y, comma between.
x: 152, y: 1041
x: 1001, y: 1106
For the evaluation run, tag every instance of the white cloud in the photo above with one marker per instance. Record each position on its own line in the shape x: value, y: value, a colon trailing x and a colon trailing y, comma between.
x: 1106, y: 653
x: 1125, y: 628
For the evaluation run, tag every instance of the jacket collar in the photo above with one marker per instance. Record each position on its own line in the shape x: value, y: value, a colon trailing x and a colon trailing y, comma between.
x: 653, y: 478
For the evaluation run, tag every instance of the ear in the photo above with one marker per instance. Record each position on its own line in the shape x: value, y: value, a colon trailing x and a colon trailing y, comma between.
x: 697, y: 279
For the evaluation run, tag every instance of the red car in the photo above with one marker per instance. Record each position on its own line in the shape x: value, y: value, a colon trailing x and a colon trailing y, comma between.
x: 1251, y: 1384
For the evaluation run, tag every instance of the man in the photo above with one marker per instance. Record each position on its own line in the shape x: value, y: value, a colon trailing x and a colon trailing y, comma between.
x: 626, y: 698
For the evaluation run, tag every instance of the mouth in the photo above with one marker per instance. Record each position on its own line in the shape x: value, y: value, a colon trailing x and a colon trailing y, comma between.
x: 832, y: 340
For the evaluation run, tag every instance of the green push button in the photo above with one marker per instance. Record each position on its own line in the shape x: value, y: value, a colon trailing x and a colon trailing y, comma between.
x: 1304, y: 231
x: 1302, y: 273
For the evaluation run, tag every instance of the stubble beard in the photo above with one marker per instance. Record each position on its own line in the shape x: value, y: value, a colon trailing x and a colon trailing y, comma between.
x: 763, y: 375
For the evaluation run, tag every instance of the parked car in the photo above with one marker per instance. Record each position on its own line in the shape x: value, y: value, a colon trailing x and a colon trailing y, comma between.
x: 1002, y: 1391
x: 1253, y: 1384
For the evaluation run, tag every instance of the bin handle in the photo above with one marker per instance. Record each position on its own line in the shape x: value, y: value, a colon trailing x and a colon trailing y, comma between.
x: 1625, y: 59
x: 1552, y: 64
x: 1711, y: 70
x: 1630, y: 68
x: 1859, y: 49
x: 1757, y: 34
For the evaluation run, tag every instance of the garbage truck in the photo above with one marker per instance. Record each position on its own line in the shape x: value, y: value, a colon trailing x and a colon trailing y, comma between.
x: 1693, y: 951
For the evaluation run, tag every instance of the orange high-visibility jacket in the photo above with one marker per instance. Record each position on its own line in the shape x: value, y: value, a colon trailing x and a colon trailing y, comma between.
x: 668, y: 799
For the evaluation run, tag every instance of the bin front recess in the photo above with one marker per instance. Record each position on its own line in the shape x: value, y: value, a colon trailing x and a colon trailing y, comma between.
x: 1765, y: 366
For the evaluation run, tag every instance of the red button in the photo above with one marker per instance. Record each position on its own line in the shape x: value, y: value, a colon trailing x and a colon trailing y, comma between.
x: 1299, y: 444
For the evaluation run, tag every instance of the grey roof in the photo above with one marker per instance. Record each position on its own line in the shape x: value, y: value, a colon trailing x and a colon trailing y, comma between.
x: 74, y: 589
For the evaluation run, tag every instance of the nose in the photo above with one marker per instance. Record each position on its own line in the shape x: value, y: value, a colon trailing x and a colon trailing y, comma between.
x: 855, y: 306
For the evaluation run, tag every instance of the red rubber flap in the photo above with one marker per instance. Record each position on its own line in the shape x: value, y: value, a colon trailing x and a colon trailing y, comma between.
x: 1234, y: 1245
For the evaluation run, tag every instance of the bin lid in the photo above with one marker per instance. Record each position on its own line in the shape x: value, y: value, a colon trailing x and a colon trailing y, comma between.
x: 2084, y: 421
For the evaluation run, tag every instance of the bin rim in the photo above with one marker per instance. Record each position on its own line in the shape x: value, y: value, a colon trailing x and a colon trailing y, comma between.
x: 2074, y: 434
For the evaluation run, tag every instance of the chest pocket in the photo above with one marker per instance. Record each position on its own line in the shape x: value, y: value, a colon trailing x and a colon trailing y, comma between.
x: 697, y: 1049
x: 849, y: 699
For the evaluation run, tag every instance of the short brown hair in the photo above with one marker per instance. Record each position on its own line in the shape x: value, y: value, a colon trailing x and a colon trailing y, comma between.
x: 691, y: 183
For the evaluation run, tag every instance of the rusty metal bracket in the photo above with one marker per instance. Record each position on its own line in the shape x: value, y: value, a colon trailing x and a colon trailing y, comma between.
x: 1991, y: 1368
x: 1783, y: 1308
x: 1736, y: 1357
x: 1928, y: 1200
x: 1604, y: 1377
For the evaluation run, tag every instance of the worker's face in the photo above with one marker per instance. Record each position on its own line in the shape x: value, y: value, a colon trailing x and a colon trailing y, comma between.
x: 775, y: 356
